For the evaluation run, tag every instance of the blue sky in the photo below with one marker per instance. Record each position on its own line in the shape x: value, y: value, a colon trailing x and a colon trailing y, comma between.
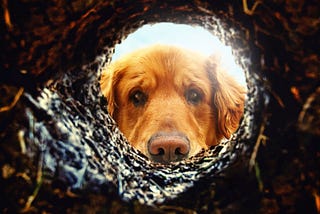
x: 191, y: 37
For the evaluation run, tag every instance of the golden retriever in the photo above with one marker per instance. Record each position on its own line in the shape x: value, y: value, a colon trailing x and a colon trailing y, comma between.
x: 170, y: 102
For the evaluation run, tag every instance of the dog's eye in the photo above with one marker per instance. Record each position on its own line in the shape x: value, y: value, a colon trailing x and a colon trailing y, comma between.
x: 193, y: 96
x: 138, y: 98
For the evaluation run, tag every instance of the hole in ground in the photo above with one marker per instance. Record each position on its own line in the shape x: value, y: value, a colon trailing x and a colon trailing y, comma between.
x: 199, y: 63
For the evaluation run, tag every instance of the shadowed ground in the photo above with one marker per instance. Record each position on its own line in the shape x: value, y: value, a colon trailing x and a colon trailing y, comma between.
x: 61, y: 152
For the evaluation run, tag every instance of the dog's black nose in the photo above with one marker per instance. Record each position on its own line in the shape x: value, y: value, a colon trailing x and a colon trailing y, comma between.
x: 168, y: 147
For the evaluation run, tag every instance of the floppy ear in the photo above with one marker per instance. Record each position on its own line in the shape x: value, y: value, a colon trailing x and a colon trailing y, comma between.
x: 108, y: 83
x: 228, y: 98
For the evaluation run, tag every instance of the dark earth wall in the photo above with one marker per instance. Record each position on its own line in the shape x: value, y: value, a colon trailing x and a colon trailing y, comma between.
x: 62, y: 153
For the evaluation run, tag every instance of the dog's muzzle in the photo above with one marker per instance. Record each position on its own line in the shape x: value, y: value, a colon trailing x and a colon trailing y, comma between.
x: 165, y: 147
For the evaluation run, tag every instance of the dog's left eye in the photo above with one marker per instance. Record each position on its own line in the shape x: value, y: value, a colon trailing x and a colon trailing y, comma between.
x: 193, y: 96
x: 138, y: 98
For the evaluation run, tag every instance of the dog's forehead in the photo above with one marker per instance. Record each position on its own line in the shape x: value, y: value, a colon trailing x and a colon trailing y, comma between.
x: 164, y: 66
x: 170, y: 61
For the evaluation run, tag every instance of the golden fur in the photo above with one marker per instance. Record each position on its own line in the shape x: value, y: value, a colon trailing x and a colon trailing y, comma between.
x: 166, y: 89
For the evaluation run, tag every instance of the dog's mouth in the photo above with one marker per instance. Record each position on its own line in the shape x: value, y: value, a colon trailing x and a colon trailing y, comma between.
x: 166, y: 147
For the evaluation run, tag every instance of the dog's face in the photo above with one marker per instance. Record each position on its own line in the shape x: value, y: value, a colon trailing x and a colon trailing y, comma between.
x: 167, y: 102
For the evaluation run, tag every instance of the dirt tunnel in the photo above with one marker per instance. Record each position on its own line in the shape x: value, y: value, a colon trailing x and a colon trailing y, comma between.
x: 62, y: 153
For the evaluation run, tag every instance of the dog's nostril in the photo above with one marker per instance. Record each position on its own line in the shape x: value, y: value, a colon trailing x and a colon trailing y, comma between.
x: 183, y: 151
x: 161, y: 151
x: 178, y: 151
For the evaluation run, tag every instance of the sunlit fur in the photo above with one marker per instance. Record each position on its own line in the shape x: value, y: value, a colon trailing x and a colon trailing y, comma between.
x: 164, y: 74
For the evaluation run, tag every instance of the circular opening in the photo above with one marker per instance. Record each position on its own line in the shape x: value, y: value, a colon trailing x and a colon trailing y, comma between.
x: 167, y: 182
x: 79, y: 122
x: 174, y: 87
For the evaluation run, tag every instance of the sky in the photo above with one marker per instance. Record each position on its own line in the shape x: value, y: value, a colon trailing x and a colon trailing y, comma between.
x: 187, y: 36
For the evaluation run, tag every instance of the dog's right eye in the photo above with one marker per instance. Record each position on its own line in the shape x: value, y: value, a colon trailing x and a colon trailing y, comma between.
x: 138, y: 98
x: 193, y: 96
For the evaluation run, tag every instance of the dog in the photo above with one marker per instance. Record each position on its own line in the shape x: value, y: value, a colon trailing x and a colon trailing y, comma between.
x: 171, y: 102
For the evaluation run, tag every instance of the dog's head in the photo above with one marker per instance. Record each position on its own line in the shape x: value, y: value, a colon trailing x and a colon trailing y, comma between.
x: 170, y: 102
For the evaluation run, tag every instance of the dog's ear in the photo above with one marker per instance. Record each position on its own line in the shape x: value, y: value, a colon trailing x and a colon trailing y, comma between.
x: 228, y: 98
x: 108, y: 83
